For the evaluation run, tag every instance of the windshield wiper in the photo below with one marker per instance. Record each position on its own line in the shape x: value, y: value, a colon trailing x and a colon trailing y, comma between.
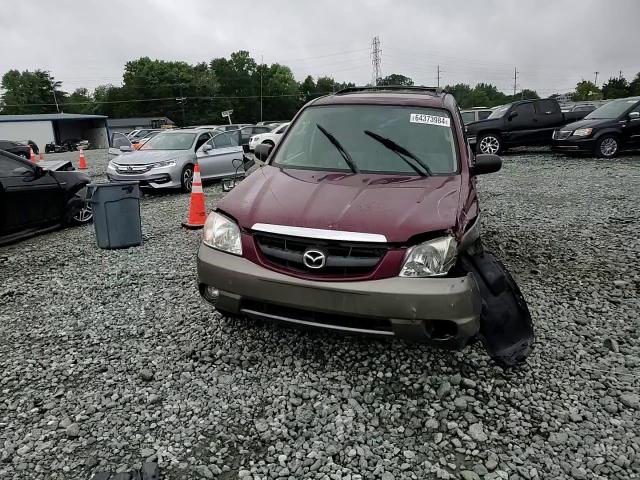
x: 338, y: 145
x: 400, y: 150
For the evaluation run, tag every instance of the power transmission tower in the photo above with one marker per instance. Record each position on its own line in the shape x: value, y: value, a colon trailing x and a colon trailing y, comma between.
x: 596, y: 80
x: 375, y: 60
x: 515, y: 81
x: 438, y: 76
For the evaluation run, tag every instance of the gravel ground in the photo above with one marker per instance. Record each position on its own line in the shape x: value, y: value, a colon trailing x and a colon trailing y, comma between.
x: 108, y: 358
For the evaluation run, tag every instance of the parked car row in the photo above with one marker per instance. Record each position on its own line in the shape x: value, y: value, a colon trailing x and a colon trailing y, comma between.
x: 603, y: 131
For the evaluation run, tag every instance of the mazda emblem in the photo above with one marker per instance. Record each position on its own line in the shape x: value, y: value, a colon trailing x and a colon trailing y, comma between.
x: 314, y: 259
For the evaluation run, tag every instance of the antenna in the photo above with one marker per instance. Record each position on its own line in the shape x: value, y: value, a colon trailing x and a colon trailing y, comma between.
x: 438, y: 77
x: 375, y: 60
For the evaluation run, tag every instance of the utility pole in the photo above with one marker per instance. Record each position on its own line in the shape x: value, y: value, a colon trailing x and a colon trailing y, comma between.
x: 438, y: 76
x: 181, y: 100
x: 515, y: 80
x: 56, y: 100
x: 596, y: 80
x: 261, y: 72
x: 375, y: 60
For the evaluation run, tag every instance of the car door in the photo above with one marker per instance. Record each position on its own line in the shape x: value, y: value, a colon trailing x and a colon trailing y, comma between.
x: 548, y: 117
x: 631, y: 128
x: 520, y: 125
x: 30, y: 196
x: 218, y: 154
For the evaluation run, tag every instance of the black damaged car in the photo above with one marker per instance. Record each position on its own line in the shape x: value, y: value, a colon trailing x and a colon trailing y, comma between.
x: 605, y: 132
x: 34, y: 199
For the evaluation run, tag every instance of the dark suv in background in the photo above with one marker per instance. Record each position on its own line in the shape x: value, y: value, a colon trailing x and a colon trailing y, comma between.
x: 518, y: 124
x: 611, y: 128
x: 365, y: 219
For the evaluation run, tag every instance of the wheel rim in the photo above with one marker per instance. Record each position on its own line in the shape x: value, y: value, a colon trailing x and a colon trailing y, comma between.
x: 609, y: 147
x: 187, y: 178
x: 489, y: 145
x: 85, y: 214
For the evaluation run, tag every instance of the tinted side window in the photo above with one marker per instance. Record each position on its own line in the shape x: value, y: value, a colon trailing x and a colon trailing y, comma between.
x: 483, y: 114
x: 281, y: 130
x: 545, y: 107
x: 257, y: 130
x: 12, y: 168
x: 525, y: 111
x: 468, y: 117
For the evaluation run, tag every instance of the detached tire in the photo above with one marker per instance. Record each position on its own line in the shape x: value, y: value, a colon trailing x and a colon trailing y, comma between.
x: 607, y: 146
x: 186, y: 178
x: 490, y: 143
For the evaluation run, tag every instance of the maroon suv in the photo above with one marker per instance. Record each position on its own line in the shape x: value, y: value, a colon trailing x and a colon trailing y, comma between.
x: 365, y: 219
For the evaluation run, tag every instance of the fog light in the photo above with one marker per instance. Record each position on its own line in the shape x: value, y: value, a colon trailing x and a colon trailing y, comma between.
x: 212, y: 293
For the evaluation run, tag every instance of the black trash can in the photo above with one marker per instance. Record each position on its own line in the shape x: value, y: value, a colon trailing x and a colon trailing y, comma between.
x: 116, y: 213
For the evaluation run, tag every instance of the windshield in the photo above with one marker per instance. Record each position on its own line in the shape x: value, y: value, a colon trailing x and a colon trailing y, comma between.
x: 170, y: 141
x: 499, y: 111
x: 368, y: 136
x: 612, y: 109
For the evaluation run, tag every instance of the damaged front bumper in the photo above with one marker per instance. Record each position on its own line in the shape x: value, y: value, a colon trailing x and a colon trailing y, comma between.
x: 441, y: 311
x: 447, y: 312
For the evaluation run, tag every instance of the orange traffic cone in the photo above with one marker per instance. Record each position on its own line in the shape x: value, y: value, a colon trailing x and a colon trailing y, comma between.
x: 83, y: 161
x: 32, y: 155
x: 197, y: 210
x: 41, y: 158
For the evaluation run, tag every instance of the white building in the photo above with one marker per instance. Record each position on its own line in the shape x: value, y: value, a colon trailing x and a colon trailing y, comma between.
x: 55, y: 127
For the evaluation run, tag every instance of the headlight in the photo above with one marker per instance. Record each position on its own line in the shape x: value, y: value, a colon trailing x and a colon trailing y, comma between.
x: 430, y: 259
x: 222, y: 233
x: 582, y: 132
x: 166, y: 163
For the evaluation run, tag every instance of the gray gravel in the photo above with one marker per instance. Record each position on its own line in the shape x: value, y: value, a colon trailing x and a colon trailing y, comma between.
x: 110, y: 358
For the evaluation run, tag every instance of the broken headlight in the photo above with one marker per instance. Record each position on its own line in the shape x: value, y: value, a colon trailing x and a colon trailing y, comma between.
x: 222, y: 233
x: 433, y: 258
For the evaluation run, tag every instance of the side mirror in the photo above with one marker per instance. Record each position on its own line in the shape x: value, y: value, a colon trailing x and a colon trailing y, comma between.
x: 512, y: 115
x: 486, y: 163
x: 126, y: 148
x: 262, y: 151
x: 207, y: 147
x: 634, y: 115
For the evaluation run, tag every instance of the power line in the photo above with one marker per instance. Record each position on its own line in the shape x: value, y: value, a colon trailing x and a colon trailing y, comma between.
x: 375, y: 59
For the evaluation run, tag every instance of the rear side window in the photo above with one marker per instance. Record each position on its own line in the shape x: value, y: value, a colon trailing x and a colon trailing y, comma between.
x: 545, y: 107
x: 483, y: 114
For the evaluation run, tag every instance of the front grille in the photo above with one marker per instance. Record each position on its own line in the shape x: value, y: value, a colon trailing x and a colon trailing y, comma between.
x: 342, y: 258
x: 561, y: 134
x: 327, y: 320
x: 132, y: 169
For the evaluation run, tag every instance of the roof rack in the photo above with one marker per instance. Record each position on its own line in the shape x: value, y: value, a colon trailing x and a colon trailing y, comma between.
x: 393, y: 88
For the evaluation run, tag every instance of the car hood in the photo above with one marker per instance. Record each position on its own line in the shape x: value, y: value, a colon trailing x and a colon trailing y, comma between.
x: 398, y: 207
x: 145, y: 157
x: 473, y: 127
x: 595, y: 122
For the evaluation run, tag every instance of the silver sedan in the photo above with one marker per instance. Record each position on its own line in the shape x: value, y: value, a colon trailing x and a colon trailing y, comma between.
x: 168, y: 159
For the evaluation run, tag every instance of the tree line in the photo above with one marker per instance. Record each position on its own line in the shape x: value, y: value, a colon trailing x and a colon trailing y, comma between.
x: 197, y: 94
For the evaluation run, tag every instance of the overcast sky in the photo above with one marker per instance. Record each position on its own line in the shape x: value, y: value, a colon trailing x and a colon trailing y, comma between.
x: 553, y: 43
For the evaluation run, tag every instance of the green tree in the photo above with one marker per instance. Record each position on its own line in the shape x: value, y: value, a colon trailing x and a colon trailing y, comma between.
x: 79, y: 101
x: 239, y: 82
x: 281, y: 92
x: 29, y: 92
x: 586, y: 90
x: 395, y: 79
x: 615, y: 88
x: 634, y: 86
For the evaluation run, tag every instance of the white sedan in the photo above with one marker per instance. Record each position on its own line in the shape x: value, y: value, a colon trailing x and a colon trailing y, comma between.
x: 270, y: 138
